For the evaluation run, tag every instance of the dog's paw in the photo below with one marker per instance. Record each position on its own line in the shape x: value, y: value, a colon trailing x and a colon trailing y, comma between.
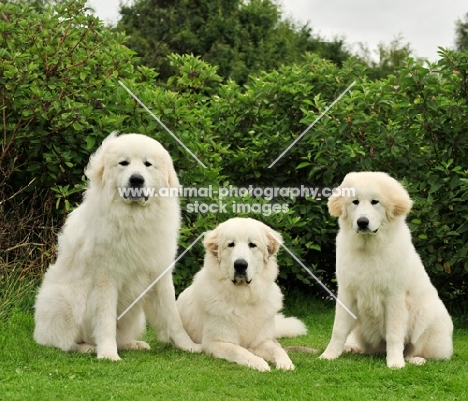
x: 111, y: 356
x: 195, y: 348
x: 282, y: 361
x: 136, y: 345
x: 395, y: 363
x: 416, y: 360
x: 353, y: 349
x: 329, y: 354
x: 186, y: 344
x: 285, y: 364
x: 260, y: 364
x: 85, y: 348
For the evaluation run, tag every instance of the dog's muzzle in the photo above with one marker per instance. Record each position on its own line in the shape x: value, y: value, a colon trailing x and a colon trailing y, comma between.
x: 240, y: 272
x: 363, y: 225
x: 136, y: 190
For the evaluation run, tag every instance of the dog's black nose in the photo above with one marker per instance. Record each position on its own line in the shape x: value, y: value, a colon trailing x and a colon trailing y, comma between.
x: 240, y: 265
x: 363, y: 223
x: 136, y: 180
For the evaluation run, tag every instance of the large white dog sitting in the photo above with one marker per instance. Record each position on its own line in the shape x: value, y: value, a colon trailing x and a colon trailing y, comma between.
x: 232, y: 306
x: 112, y: 247
x: 381, y: 278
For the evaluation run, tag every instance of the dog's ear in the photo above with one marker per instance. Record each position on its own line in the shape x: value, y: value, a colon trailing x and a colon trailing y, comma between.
x: 95, y: 168
x: 172, y: 180
x: 211, y: 242
x: 399, y: 201
x: 336, y: 205
x: 274, y: 241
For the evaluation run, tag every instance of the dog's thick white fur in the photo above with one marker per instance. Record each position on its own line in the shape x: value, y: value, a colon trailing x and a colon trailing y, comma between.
x: 110, y: 250
x: 381, y: 278
x: 232, y: 306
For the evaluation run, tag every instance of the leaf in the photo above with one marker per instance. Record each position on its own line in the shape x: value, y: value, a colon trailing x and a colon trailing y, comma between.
x: 447, y: 268
x: 90, y: 142
x: 303, y: 164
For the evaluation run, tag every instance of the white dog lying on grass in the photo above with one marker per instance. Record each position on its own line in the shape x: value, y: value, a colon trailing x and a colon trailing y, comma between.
x: 232, y: 306
x: 381, y: 278
x: 111, y: 249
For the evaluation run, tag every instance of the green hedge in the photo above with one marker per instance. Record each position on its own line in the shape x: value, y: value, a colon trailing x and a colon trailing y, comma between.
x: 413, y: 126
x: 59, y: 76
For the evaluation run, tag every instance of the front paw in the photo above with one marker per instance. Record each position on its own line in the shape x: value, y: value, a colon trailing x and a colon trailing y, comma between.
x: 194, y: 348
x: 259, y: 364
x: 331, y: 353
x: 108, y: 352
x: 395, y: 362
x: 186, y: 344
x: 284, y: 364
x: 111, y: 356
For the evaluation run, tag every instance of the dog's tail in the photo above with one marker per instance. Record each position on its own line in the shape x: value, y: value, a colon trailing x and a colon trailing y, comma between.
x: 288, y: 326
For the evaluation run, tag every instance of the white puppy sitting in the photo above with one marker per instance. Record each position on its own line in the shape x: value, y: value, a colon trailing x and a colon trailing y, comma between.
x: 111, y: 249
x: 381, y: 278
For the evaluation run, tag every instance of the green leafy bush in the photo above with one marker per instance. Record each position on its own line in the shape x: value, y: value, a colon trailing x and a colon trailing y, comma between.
x: 59, y: 81
x: 412, y: 126
x: 55, y: 72
x: 239, y: 37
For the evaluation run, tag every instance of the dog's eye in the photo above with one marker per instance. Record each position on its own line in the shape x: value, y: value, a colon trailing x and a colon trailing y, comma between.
x: 374, y: 202
x: 231, y: 245
x: 252, y: 245
x: 148, y: 164
x: 355, y: 202
x: 124, y: 163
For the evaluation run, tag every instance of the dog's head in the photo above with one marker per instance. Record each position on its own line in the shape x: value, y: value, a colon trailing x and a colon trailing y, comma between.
x: 365, y: 201
x: 243, y: 249
x: 132, y: 168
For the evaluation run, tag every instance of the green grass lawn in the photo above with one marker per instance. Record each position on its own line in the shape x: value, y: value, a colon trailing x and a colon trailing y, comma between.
x: 32, y: 372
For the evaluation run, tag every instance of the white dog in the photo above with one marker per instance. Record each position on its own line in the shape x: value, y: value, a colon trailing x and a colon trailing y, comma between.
x: 112, y: 247
x: 232, y: 306
x: 381, y: 278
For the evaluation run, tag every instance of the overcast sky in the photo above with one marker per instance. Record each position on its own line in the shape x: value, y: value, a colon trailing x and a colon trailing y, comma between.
x: 425, y: 24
